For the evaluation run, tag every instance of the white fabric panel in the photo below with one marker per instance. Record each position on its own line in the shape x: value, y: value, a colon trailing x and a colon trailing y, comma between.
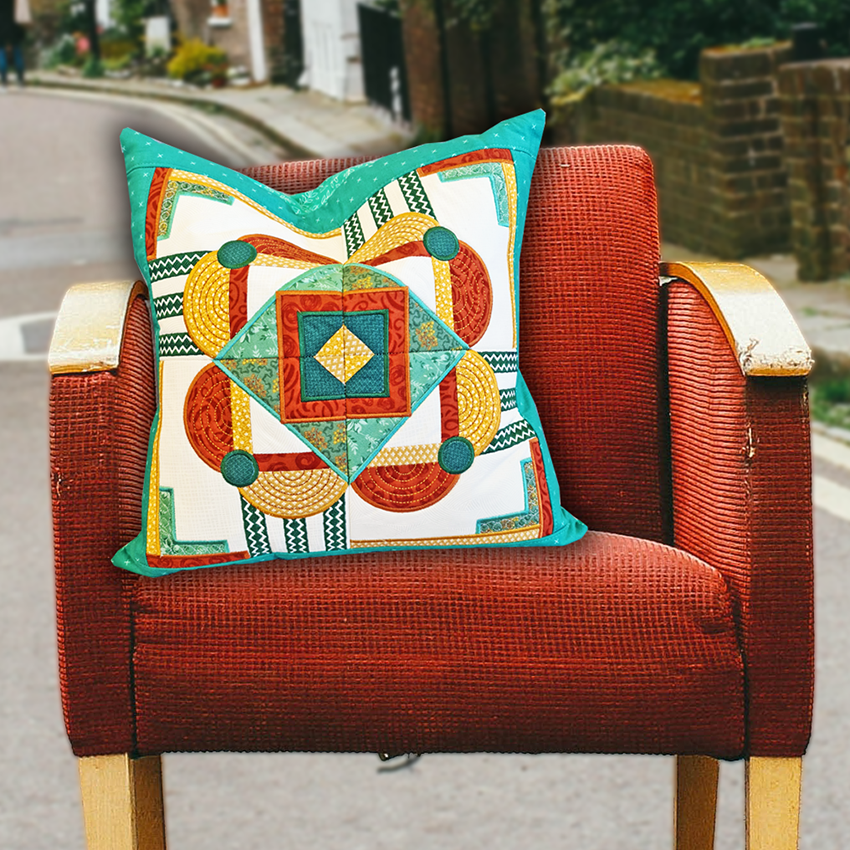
x: 367, y: 221
x: 423, y: 427
x: 418, y: 275
x: 206, y: 507
x: 264, y: 282
x: 396, y: 198
x: 192, y: 230
x: 172, y: 325
x: 270, y: 435
x: 277, y: 539
x: 492, y: 486
x: 315, y: 533
x: 169, y: 285
x: 468, y: 209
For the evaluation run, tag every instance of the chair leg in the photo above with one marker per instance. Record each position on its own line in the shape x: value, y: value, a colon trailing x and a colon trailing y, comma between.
x: 696, y: 802
x: 773, y: 803
x: 122, y: 802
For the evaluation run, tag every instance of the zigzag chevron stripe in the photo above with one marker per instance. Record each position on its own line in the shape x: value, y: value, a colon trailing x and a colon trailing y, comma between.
x: 501, y: 361
x: 353, y: 233
x: 414, y: 194
x: 334, y: 521
x: 256, y: 533
x: 510, y: 435
x: 166, y: 306
x: 177, y: 345
x: 380, y: 206
x: 173, y: 265
x: 508, y: 398
x: 295, y: 534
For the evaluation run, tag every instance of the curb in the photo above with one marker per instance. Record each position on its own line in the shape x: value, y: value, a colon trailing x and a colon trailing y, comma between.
x: 197, y: 101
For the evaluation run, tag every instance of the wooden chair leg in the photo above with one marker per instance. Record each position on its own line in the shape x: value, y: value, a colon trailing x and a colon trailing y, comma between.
x: 696, y: 802
x: 773, y: 803
x: 122, y: 802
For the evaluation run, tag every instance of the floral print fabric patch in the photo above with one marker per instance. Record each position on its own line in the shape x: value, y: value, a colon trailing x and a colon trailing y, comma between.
x: 338, y: 370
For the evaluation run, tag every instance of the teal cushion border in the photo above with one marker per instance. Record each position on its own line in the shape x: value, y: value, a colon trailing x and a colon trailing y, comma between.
x: 328, y: 205
x: 325, y: 208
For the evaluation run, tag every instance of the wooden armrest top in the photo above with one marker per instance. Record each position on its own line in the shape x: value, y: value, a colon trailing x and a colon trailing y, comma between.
x: 756, y: 321
x: 90, y: 327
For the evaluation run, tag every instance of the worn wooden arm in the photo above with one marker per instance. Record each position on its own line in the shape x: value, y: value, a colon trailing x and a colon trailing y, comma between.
x: 741, y: 471
x: 102, y: 400
x: 90, y: 327
x: 760, y: 328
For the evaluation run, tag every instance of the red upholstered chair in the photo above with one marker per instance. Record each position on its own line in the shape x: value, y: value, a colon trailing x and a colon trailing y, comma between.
x: 681, y: 624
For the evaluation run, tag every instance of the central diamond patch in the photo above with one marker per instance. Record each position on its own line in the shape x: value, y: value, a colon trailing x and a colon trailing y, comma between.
x: 342, y: 355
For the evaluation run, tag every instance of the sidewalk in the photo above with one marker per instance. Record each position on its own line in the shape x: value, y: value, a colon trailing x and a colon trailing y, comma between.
x: 308, y: 123
x: 312, y: 125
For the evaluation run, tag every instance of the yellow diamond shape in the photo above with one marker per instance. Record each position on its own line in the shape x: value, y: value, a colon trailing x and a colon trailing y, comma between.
x: 344, y: 354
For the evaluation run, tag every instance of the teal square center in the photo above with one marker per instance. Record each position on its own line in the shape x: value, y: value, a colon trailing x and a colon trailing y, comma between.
x: 371, y: 380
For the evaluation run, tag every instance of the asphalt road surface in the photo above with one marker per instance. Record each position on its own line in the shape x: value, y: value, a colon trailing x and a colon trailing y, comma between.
x: 63, y: 219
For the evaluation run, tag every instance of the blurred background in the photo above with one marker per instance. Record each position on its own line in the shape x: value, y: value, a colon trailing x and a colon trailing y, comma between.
x: 744, y: 107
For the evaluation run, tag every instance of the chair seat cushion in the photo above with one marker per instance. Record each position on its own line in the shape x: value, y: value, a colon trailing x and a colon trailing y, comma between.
x: 613, y: 644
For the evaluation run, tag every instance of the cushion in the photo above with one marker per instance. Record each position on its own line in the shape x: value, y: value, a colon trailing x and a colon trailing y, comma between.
x: 338, y: 369
x: 613, y: 644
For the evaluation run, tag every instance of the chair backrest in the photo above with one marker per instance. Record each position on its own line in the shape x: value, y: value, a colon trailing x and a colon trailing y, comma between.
x: 590, y: 328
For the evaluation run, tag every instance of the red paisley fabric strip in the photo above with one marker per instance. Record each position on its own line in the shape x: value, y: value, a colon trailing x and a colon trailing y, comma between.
x: 186, y: 562
x: 289, y: 462
x: 281, y: 248
x: 158, y: 184
x: 488, y: 155
x: 449, y: 414
x: 545, y: 503
x: 238, y: 306
x: 409, y: 249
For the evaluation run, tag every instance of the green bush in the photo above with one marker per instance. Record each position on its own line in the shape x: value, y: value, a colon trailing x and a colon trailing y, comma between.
x: 607, y: 62
x: 677, y: 30
x: 196, y: 62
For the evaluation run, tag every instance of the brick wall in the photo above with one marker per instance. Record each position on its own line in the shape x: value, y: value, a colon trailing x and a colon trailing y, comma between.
x: 491, y: 76
x: 274, y: 24
x: 424, y: 71
x: 716, y: 146
x: 816, y: 122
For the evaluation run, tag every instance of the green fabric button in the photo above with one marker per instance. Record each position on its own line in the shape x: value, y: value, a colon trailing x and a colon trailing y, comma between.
x: 441, y: 243
x: 456, y: 455
x: 236, y: 254
x: 239, y: 468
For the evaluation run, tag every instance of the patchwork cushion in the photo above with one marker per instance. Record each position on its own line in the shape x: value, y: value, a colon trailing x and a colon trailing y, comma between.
x: 338, y: 369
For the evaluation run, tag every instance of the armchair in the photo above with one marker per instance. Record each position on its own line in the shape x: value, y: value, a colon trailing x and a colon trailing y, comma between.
x: 681, y: 624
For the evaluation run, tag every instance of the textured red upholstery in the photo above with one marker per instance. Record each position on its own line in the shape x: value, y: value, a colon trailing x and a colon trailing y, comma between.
x: 99, y: 431
x: 611, y: 644
x: 614, y: 644
x: 742, y: 502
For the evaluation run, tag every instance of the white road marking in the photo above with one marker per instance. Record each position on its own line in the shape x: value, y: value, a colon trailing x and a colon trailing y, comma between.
x: 831, y: 497
x: 13, y: 341
x: 831, y: 451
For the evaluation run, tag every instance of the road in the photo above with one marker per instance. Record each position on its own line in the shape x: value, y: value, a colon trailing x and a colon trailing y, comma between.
x: 64, y: 220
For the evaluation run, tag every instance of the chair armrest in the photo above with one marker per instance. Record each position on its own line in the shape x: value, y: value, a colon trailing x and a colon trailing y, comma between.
x: 741, y: 472
x: 102, y: 401
x: 757, y: 323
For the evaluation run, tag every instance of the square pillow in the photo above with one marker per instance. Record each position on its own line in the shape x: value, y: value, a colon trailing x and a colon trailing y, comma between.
x: 338, y: 369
